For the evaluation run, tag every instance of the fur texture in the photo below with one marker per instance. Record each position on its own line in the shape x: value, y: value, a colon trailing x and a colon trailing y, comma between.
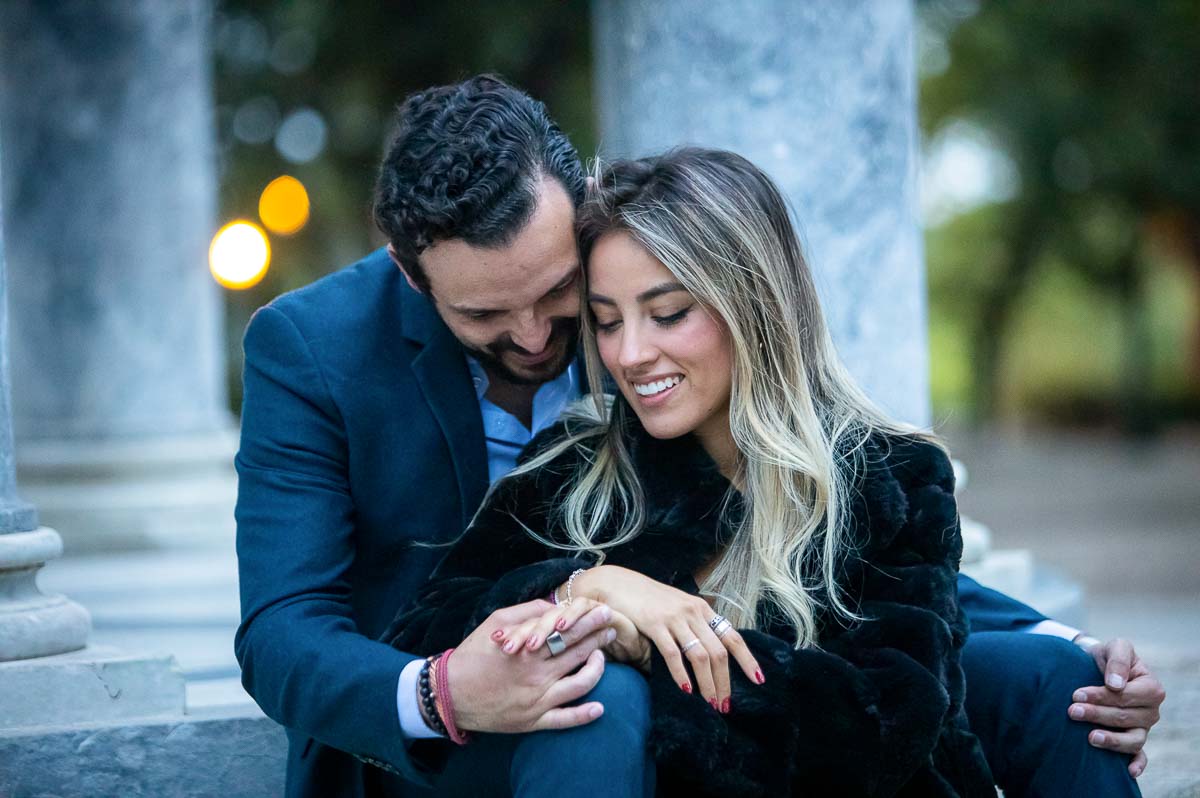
x: 876, y: 710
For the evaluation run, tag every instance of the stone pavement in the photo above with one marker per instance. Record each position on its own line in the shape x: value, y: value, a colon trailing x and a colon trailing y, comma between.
x: 1123, y: 520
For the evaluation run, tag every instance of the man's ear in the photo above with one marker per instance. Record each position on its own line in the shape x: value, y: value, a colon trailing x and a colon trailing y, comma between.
x: 400, y: 265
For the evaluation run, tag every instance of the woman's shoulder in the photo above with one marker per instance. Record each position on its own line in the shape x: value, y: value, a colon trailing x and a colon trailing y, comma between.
x: 912, y: 459
x: 905, y: 494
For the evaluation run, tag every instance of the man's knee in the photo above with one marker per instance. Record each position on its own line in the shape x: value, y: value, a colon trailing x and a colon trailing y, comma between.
x: 626, y: 698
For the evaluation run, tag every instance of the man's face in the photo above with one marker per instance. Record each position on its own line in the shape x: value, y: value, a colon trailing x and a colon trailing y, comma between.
x: 516, y: 307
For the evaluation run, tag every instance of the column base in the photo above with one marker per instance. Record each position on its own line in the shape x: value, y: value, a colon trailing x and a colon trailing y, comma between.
x: 130, y: 495
x: 33, y: 624
x: 97, y: 684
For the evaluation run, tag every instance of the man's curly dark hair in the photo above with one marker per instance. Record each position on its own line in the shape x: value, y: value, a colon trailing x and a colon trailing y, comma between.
x: 464, y: 163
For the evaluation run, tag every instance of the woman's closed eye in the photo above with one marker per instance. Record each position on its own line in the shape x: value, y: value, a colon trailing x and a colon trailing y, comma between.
x: 662, y: 321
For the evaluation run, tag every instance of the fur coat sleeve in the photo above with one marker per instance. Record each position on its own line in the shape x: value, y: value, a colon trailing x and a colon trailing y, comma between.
x: 874, y: 710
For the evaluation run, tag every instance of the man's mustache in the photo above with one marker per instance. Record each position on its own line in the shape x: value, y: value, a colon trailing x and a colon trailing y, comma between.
x: 567, y: 325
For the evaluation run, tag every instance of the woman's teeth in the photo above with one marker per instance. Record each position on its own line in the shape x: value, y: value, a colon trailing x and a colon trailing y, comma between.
x: 651, y: 388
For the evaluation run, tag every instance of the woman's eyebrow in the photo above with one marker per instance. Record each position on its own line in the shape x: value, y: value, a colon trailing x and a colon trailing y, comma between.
x: 645, y: 296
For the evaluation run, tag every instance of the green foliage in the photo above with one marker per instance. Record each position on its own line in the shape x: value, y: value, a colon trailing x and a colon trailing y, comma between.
x: 1059, y: 290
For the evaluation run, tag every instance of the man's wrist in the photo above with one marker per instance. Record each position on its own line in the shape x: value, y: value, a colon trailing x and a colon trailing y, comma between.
x: 408, y: 704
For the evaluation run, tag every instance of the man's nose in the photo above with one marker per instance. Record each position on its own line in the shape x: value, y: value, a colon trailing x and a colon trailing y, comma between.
x: 532, y: 332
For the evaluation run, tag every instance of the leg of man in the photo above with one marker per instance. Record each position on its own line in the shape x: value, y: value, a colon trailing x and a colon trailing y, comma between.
x: 1019, y: 686
x: 607, y: 757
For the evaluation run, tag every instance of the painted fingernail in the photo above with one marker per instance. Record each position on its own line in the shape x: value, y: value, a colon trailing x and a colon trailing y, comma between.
x: 1080, y: 696
x: 498, y: 634
x: 712, y: 702
x: 726, y: 705
x: 1099, y: 738
x: 560, y: 624
x: 686, y: 687
x: 1076, y: 712
x: 1116, y: 681
x: 758, y: 677
x: 533, y: 641
x: 509, y: 646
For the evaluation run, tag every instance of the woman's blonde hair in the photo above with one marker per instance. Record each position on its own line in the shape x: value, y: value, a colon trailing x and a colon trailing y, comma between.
x: 722, y: 228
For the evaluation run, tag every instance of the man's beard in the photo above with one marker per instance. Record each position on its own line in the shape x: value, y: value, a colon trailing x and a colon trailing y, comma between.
x: 563, y: 332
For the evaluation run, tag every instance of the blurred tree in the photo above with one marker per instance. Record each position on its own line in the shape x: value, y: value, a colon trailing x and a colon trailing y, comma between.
x: 308, y: 88
x: 1097, y: 104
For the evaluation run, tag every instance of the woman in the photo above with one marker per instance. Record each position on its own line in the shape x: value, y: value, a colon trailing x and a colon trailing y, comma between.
x: 738, y: 474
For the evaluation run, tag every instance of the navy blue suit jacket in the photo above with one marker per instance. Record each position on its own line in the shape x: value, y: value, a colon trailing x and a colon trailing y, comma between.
x: 361, y: 436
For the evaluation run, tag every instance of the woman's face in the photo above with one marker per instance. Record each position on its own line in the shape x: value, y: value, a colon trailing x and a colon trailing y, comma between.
x: 672, y: 360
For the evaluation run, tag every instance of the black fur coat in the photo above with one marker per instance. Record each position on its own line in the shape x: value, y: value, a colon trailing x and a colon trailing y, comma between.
x: 875, y: 710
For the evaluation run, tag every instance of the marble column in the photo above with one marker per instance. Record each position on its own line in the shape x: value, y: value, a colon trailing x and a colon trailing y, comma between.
x: 32, y: 624
x: 822, y: 95
x: 123, y: 435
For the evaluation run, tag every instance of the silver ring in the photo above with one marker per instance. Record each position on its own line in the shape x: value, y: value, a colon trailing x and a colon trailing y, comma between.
x: 716, y: 621
x: 556, y: 644
x: 690, y: 645
x: 720, y: 629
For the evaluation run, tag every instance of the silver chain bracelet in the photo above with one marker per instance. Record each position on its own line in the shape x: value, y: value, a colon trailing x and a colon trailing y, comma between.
x: 571, y: 581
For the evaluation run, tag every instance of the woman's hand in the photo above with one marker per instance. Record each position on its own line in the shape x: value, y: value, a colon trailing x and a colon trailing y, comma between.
x: 629, y: 646
x: 673, y: 620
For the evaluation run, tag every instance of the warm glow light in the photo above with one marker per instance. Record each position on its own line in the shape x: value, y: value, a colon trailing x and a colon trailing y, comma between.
x: 239, y: 255
x: 283, y: 206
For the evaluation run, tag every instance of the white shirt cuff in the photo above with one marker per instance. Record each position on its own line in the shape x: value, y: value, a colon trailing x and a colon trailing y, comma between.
x: 1054, y: 629
x: 412, y: 723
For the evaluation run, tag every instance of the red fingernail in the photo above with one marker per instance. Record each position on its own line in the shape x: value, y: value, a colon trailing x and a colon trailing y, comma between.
x: 758, y: 677
x: 686, y: 687
x: 725, y: 707
x: 499, y: 633
x: 712, y: 702
x: 561, y: 624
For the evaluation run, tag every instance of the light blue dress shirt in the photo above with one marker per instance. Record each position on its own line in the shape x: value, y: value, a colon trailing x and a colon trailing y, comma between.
x: 505, y: 434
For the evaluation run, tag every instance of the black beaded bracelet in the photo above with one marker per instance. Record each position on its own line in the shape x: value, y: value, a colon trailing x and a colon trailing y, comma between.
x: 429, y: 699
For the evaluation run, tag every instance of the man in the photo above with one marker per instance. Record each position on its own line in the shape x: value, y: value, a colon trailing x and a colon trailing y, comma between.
x: 380, y: 402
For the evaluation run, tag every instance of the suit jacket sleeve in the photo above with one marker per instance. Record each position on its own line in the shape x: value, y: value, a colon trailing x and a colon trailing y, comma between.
x: 303, y: 659
x: 990, y: 610
x: 866, y: 712
x: 496, y: 563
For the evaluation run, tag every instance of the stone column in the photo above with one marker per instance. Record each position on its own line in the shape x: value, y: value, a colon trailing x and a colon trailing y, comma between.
x: 822, y: 96
x: 123, y: 435
x: 31, y: 624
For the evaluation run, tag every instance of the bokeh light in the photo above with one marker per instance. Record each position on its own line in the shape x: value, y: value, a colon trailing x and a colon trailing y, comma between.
x: 239, y: 255
x: 283, y: 205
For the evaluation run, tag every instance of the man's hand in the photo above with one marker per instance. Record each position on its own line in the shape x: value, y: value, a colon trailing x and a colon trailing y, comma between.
x: 497, y: 692
x: 629, y: 646
x: 1127, y: 704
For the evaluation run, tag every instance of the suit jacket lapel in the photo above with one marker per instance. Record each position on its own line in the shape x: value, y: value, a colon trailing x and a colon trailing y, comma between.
x: 445, y: 382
